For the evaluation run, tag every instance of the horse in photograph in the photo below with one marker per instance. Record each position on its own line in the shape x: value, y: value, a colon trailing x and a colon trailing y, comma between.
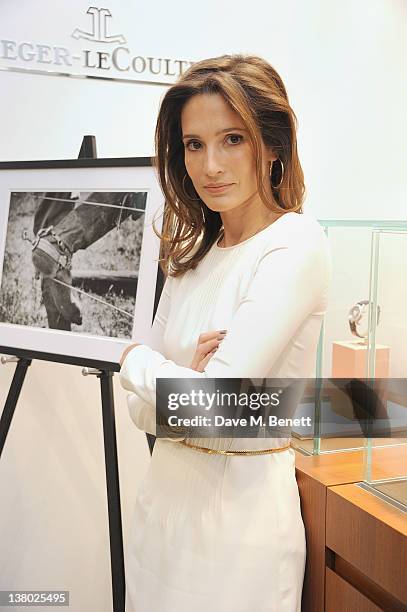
x: 62, y: 226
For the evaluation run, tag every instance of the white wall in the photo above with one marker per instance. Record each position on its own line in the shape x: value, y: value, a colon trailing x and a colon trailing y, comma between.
x: 343, y: 65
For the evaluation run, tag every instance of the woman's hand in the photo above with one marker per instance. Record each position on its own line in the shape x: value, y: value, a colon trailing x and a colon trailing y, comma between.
x: 127, y: 350
x: 208, y: 343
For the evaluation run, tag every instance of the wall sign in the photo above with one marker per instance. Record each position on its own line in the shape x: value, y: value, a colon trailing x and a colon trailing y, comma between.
x: 95, y: 48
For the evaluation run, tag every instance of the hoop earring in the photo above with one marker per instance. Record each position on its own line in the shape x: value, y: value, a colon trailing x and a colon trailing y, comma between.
x: 188, y: 197
x: 282, y: 174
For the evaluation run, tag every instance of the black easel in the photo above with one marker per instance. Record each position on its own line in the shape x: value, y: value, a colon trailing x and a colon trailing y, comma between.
x: 158, y: 289
x: 88, y: 150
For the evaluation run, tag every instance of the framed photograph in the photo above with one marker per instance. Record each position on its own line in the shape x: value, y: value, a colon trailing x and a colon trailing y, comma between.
x: 78, y: 257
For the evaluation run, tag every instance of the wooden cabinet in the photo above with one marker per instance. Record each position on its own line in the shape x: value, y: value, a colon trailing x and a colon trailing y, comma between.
x: 343, y: 597
x: 356, y: 543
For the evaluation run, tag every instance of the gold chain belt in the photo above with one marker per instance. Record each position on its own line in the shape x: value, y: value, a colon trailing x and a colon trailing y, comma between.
x: 211, y: 451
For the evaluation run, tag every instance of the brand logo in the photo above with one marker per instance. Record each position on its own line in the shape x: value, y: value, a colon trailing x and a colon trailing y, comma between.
x: 87, y: 58
x: 99, y: 18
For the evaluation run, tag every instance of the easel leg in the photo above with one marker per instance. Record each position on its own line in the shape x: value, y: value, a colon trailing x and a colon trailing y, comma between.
x: 151, y: 441
x: 113, y: 492
x: 12, y: 398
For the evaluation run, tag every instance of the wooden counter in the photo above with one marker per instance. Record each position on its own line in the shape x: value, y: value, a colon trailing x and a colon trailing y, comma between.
x: 330, y: 578
x: 366, y: 540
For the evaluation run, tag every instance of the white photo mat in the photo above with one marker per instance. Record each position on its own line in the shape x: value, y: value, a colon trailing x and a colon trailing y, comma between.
x: 108, y: 179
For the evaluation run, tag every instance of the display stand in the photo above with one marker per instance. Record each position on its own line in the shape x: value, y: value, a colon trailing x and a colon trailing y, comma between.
x: 105, y: 374
x: 158, y: 289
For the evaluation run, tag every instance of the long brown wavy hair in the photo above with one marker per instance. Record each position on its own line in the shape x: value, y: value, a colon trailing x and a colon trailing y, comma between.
x: 254, y: 90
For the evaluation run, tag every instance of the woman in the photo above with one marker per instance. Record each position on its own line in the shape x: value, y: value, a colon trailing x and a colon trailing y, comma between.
x: 222, y: 530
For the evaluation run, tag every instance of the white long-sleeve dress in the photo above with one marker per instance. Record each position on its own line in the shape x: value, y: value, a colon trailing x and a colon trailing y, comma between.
x: 211, y: 531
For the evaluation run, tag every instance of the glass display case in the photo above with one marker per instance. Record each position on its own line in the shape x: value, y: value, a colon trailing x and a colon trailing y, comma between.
x: 385, y: 469
x: 363, y: 344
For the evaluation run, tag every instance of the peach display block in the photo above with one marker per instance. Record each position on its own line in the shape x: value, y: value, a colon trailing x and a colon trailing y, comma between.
x: 349, y: 359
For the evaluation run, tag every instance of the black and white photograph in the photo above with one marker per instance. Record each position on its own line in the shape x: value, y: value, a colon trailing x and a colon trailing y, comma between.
x: 71, y: 259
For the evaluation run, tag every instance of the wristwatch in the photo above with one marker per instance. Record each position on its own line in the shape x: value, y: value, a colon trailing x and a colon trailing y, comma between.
x: 356, y: 316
